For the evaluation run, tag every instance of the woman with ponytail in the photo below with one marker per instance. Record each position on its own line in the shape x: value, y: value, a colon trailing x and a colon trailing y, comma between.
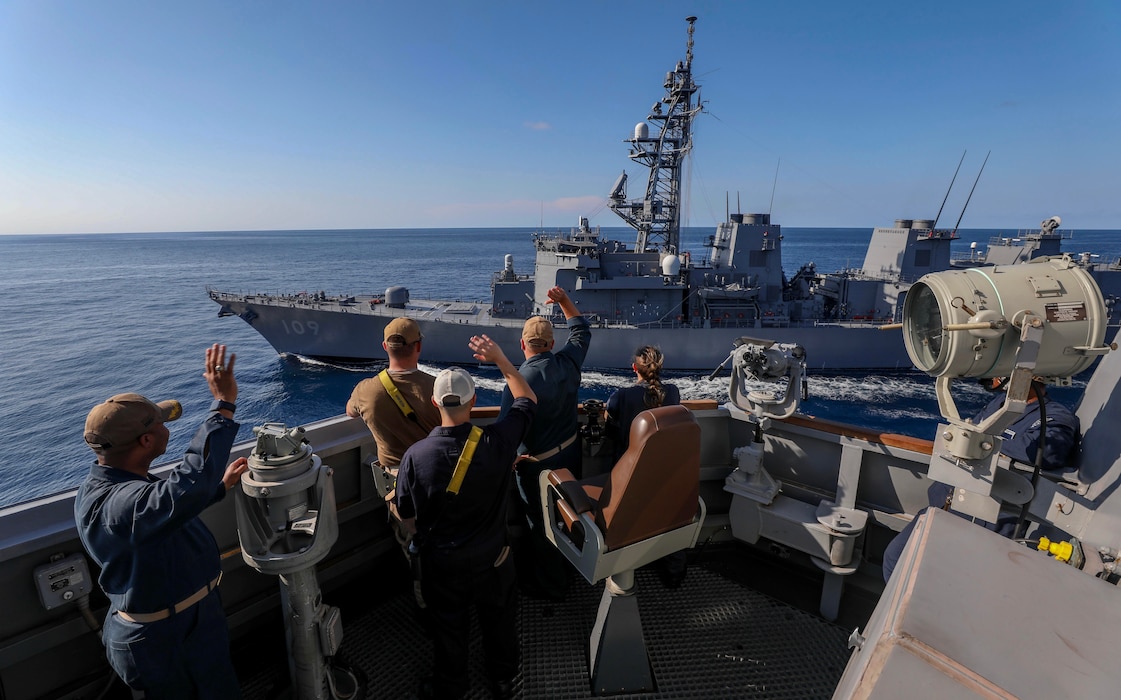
x: 624, y: 405
x: 647, y: 392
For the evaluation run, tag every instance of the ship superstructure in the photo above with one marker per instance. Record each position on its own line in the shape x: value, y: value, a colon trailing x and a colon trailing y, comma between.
x: 651, y: 291
x: 740, y: 283
x: 657, y: 216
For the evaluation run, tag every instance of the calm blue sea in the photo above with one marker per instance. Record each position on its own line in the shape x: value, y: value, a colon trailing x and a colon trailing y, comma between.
x: 89, y: 316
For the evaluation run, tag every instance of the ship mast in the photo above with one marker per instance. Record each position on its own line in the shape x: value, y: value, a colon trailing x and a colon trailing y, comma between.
x: 657, y: 217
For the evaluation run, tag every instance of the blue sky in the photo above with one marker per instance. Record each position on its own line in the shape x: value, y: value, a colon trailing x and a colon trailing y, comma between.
x: 120, y: 116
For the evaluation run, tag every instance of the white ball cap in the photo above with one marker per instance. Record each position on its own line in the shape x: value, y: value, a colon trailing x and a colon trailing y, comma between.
x: 453, y: 387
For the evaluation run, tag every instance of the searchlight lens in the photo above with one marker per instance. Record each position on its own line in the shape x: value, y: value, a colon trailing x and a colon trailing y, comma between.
x: 924, y: 334
x: 967, y: 323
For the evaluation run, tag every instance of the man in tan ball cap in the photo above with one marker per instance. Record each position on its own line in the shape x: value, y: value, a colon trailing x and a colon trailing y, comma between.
x: 165, y: 632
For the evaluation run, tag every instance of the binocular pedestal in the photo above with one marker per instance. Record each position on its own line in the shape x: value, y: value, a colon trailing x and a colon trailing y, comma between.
x: 287, y: 523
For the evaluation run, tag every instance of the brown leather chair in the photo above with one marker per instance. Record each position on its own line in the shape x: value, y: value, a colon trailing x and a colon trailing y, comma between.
x: 647, y: 506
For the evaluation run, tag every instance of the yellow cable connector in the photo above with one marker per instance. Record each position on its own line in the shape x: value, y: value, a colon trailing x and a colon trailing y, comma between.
x: 1062, y: 551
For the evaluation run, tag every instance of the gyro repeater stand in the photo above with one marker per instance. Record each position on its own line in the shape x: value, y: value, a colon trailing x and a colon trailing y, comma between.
x: 287, y: 523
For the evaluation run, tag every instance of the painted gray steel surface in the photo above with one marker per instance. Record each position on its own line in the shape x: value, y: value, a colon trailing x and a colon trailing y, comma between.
x: 329, y: 331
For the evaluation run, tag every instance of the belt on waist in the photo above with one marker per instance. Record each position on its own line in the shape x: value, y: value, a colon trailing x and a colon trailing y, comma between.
x: 549, y: 453
x: 179, y: 607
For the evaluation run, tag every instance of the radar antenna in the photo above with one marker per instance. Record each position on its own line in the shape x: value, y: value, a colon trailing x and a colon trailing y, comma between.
x: 657, y: 216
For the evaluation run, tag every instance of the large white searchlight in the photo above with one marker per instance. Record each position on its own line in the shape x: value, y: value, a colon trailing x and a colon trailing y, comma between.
x: 1038, y: 321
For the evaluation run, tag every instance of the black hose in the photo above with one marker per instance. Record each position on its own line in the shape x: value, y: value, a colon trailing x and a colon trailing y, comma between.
x: 1041, y: 446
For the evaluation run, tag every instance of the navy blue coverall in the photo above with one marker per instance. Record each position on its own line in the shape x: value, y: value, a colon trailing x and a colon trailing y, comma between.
x: 555, y: 378
x: 461, y: 544
x: 154, y: 551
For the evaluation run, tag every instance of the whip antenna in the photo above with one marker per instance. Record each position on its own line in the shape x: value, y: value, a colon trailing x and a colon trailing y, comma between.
x: 773, y: 186
x: 971, y: 191
x: 952, y: 180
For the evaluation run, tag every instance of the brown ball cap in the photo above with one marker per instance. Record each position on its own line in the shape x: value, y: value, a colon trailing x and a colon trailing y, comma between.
x: 538, y: 332
x: 122, y: 419
x: 401, y: 332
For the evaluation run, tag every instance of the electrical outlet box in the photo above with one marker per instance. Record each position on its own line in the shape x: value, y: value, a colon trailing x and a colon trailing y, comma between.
x: 63, y: 581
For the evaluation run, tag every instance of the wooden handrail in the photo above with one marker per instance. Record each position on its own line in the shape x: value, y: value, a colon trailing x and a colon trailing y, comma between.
x: 905, y: 442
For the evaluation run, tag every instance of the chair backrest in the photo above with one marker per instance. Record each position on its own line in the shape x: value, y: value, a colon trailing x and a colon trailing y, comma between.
x: 655, y: 485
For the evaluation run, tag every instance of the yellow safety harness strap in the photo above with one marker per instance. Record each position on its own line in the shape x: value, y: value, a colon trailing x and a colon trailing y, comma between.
x: 395, y: 394
x: 465, y: 459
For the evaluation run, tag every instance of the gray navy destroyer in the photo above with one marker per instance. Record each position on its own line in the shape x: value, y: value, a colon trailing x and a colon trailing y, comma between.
x: 650, y: 291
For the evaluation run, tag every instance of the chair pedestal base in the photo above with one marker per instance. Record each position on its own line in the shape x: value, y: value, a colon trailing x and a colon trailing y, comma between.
x: 618, y: 661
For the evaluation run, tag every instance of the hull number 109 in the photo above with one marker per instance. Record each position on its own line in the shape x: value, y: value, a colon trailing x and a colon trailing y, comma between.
x: 300, y: 328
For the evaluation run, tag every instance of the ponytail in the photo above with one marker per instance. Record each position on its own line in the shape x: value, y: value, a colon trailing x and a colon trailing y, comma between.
x: 648, y: 364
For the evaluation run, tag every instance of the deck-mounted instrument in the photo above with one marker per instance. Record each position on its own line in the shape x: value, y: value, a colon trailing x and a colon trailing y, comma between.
x: 1040, y: 321
x: 287, y: 523
x: 764, y: 360
x: 827, y: 530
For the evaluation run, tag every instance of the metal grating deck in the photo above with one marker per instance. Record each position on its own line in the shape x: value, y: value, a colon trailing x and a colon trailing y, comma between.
x: 710, y: 638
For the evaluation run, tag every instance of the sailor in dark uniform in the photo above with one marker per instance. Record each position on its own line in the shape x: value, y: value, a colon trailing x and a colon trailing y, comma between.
x: 455, y: 483
x: 552, y: 442
x: 1020, y: 443
x: 165, y: 632
x: 623, y: 406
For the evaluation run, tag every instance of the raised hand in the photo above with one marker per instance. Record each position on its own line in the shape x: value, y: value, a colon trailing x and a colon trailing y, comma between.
x: 219, y: 373
x: 485, y: 350
x: 557, y: 295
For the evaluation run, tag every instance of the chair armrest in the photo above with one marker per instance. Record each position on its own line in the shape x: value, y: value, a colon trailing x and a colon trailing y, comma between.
x: 574, y: 495
x: 573, y: 525
x: 559, y: 476
x: 571, y: 491
x: 564, y: 507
